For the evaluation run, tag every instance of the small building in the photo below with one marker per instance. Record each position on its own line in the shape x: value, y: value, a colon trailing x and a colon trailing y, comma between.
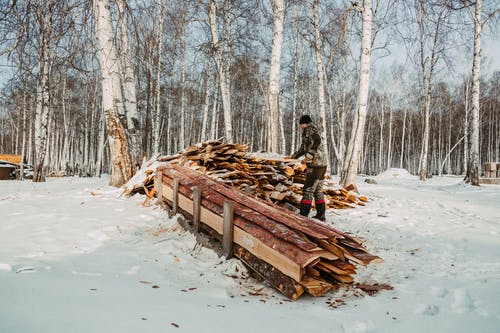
x: 8, y: 165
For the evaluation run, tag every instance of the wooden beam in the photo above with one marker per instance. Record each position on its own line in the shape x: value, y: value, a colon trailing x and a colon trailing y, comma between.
x: 196, y: 209
x: 175, y: 196
x: 228, y: 230
x: 284, y: 264
x: 277, y: 279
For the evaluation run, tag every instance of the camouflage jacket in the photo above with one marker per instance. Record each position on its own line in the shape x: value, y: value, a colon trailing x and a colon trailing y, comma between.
x: 311, y: 144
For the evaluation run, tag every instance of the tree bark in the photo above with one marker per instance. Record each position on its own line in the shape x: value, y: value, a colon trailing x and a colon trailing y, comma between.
x: 223, y: 80
x: 129, y: 93
x: 43, y: 91
x: 356, y: 141
x: 473, y: 172
x: 274, y: 76
x: 122, y: 167
x: 320, y: 69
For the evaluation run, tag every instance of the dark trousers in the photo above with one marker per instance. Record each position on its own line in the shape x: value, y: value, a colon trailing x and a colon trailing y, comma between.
x: 313, y: 186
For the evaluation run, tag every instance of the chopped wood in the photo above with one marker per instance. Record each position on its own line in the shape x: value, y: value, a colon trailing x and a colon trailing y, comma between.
x: 317, y: 286
x: 292, y: 252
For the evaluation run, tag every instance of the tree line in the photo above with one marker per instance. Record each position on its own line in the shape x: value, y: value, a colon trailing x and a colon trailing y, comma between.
x: 99, y: 86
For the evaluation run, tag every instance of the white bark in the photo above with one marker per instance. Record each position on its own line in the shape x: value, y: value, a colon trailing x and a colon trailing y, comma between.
x: 42, y: 95
x: 129, y: 94
x: 206, y: 105
x: 295, y: 79
x: 321, y: 81
x: 274, y: 76
x: 215, y: 115
x: 473, y: 172
x: 182, y: 135
x: 427, y: 79
x: 122, y: 167
x: 223, y: 80
x: 356, y: 141
x: 156, y: 117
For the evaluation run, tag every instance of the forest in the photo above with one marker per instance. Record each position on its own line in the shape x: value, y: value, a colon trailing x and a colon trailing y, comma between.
x: 95, y: 87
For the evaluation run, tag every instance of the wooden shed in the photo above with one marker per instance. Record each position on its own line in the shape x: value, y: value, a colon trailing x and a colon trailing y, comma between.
x: 8, y: 164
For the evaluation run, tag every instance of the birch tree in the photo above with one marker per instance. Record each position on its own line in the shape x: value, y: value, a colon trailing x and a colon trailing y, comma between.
x: 473, y: 163
x: 320, y: 69
x: 44, y: 19
x: 129, y: 93
x: 274, y: 75
x: 122, y: 167
x: 355, y: 145
x: 222, y: 77
x: 428, y: 66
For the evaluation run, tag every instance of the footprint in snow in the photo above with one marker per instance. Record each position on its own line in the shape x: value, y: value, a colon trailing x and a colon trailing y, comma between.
x: 427, y: 309
x: 462, y: 302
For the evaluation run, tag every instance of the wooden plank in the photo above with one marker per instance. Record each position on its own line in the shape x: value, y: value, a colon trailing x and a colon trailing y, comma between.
x: 307, y: 226
x: 283, y: 283
x: 228, y: 230
x: 242, y: 238
x: 175, y: 196
x: 317, y: 286
x: 196, y: 209
x: 490, y: 166
x: 211, y: 192
x: 159, y: 184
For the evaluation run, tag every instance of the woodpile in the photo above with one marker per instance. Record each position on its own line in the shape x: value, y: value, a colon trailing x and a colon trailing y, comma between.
x: 293, y: 253
x: 274, y: 180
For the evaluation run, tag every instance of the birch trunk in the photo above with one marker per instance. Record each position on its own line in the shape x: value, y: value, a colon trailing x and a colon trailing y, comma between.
x: 156, y: 118
x: 182, y: 135
x: 356, y: 141
x: 43, y: 93
x: 122, y: 167
x: 206, y: 103
x: 295, y: 79
x: 321, y: 81
x: 427, y: 79
x: 274, y: 76
x: 223, y: 80
x: 129, y: 94
x: 403, y: 132
x: 473, y: 172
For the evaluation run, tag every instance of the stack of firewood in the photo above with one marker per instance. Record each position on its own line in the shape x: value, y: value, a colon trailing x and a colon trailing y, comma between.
x: 293, y: 253
x: 276, y: 180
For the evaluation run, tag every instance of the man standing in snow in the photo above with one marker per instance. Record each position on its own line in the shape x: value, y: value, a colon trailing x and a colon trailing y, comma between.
x: 315, y: 160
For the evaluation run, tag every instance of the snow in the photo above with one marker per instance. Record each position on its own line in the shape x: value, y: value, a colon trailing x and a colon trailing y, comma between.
x: 76, y: 256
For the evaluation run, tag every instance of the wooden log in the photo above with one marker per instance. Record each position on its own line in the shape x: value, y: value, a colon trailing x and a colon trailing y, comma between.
x: 277, y: 279
x: 288, y: 259
x: 308, y: 226
x: 317, y: 286
x: 211, y: 192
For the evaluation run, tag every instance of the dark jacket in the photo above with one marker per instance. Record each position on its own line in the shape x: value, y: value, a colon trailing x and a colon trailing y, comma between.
x: 311, y: 146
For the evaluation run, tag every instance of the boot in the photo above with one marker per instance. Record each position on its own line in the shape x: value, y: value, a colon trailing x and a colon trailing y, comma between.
x: 305, y: 207
x: 320, y: 210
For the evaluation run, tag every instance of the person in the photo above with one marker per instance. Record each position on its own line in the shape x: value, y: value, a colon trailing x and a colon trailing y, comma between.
x: 315, y: 159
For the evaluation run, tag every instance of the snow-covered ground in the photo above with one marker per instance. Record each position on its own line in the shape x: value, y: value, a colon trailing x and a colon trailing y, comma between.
x: 77, y: 257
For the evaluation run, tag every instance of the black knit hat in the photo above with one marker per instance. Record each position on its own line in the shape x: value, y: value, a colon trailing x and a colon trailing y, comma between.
x: 305, y: 119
